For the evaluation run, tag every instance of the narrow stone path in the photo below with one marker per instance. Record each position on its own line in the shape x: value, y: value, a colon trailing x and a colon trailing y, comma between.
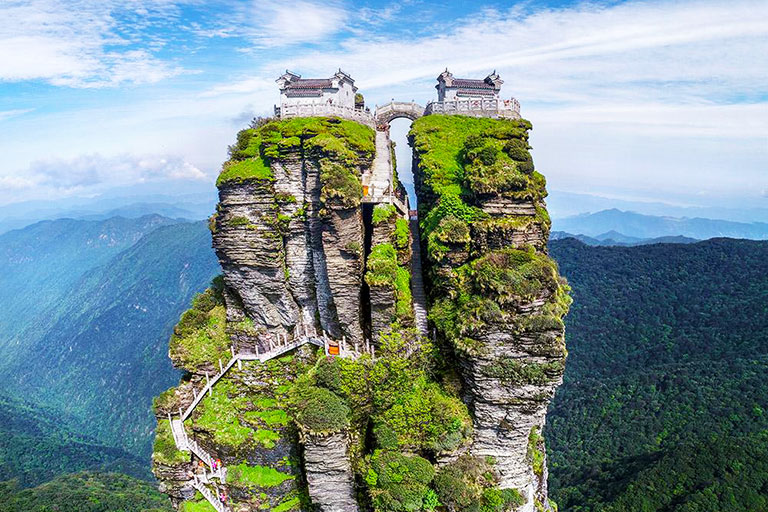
x: 182, y: 440
x: 417, y: 280
x: 381, y: 177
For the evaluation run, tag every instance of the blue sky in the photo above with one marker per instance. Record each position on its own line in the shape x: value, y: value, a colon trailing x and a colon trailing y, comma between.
x: 651, y: 101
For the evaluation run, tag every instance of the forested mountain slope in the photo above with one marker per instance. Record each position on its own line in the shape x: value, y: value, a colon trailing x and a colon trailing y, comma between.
x: 666, y: 384
x: 40, y: 265
x: 37, y: 444
x: 97, y: 353
x: 85, y: 492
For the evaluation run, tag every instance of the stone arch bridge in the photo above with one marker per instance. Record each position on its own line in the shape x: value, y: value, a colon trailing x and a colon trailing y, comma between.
x: 384, y: 114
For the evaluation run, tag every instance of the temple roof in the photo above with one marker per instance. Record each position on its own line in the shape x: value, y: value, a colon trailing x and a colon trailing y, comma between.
x: 300, y: 92
x: 469, y: 83
x: 309, y: 83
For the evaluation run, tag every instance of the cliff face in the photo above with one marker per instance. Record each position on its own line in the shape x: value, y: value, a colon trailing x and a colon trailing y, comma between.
x: 398, y: 422
x: 496, y: 298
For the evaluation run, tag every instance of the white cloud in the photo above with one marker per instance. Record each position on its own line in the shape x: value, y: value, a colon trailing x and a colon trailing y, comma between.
x: 579, y: 54
x: 7, y: 114
x: 94, y: 172
x: 278, y: 23
x: 80, y: 43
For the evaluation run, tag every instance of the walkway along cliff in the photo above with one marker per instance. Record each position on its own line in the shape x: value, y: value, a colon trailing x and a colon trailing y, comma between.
x: 355, y: 355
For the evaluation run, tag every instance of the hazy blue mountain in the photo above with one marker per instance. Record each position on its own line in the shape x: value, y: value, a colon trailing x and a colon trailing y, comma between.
x: 635, y: 225
x: 563, y: 204
x: 99, y: 351
x: 614, y: 238
x: 40, y: 264
x: 131, y: 202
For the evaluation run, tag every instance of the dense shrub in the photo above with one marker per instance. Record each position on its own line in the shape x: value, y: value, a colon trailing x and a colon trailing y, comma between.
x: 398, y: 482
x: 382, y: 212
x: 382, y: 266
x: 341, y: 186
x: 318, y: 409
x: 469, y: 484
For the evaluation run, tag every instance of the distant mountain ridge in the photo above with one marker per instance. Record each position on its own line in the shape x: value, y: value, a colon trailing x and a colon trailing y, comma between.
x: 613, y: 238
x: 190, y: 206
x: 88, y: 308
x: 635, y: 225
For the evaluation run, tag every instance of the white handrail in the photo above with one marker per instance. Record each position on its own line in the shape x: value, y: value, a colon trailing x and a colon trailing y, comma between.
x: 184, y: 443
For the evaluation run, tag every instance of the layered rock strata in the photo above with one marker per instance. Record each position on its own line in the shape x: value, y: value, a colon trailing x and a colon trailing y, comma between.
x: 497, y: 297
x: 329, y: 472
x: 385, y: 431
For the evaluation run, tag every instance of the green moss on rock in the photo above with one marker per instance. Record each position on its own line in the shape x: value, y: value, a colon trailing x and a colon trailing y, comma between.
x: 318, y: 138
x: 164, y: 450
x: 247, y: 475
x: 200, y: 337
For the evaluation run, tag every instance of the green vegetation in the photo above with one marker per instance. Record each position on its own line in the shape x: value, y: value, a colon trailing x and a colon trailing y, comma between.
x: 402, y: 234
x: 251, y: 169
x: 200, y: 337
x: 469, y: 484
x: 514, y: 371
x: 220, y: 414
x: 318, y: 409
x: 382, y: 266
x: 668, y: 343
x: 289, y: 504
x: 270, y: 418
x: 165, y: 451
x: 199, y: 504
x: 463, y: 160
x: 382, y: 212
x: 338, y: 140
x: 403, y: 299
x: 383, y: 270
x: 109, y: 289
x: 424, y: 418
x: 37, y: 444
x: 85, y: 492
x: 397, y: 482
x: 536, y: 451
x: 487, y: 291
x: 254, y: 475
x: 341, y: 185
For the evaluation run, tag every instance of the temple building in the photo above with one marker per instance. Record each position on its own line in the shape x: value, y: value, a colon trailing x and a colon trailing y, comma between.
x: 451, y: 89
x: 338, y: 90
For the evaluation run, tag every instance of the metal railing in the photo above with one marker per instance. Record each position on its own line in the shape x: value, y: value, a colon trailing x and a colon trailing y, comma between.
x: 276, y: 349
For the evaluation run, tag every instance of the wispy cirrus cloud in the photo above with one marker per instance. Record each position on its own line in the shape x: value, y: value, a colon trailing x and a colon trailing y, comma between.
x: 82, y: 43
x: 7, y: 114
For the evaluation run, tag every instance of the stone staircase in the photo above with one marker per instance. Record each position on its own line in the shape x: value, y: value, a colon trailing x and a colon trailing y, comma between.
x: 417, y: 280
x: 276, y: 349
x: 379, y: 181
